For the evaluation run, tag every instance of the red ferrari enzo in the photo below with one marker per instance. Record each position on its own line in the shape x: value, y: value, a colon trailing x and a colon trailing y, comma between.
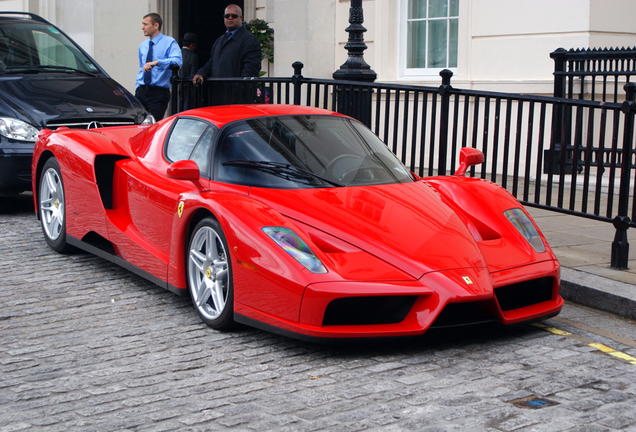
x: 296, y: 220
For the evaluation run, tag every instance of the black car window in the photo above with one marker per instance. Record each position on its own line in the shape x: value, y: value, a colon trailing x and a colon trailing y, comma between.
x: 304, y: 152
x: 24, y: 45
x: 183, y: 138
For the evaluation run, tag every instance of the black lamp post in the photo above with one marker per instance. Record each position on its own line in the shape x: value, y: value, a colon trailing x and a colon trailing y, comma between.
x: 355, y: 68
x: 355, y: 100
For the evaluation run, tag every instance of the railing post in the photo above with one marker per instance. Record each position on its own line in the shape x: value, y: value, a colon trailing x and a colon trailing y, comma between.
x: 174, y: 96
x: 559, y: 69
x: 444, y: 92
x: 297, y: 80
x: 559, y: 57
x: 620, y: 245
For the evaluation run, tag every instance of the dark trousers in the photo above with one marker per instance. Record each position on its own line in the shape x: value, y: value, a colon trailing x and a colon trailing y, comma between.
x: 154, y: 99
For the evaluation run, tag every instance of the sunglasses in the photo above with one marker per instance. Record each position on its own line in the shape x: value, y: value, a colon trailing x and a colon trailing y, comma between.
x: 233, y: 16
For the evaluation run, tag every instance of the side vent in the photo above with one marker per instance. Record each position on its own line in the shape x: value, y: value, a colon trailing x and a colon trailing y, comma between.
x: 104, y: 172
x: 97, y: 241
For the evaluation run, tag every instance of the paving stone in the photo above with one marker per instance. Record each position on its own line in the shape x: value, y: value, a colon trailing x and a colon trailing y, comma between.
x: 86, y: 345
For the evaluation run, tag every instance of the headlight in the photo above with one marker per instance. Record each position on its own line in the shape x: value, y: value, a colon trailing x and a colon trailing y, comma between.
x: 296, y: 247
x: 17, y: 129
x: 148, y: 120
x: 524, y: 225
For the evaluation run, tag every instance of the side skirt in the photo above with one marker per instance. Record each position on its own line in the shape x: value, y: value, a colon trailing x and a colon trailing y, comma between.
x: 125, y: 264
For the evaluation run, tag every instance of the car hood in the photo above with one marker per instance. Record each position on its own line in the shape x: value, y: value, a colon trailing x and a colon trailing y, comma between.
x: 44, y: 98
x: 406, y: 225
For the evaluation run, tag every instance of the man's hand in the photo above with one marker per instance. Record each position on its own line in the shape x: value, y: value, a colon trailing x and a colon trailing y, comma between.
x: 150, y: 65
x: 197, y: 80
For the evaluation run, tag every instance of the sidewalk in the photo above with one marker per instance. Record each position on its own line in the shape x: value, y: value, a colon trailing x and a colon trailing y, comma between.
x: 584, y: 247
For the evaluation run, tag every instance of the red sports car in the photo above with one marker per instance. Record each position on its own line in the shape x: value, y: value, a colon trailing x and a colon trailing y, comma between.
x: 296, y: 220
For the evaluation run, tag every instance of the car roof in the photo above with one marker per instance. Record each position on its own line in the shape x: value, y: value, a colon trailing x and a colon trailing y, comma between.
x: 11, y: 16
x: 221, y: 115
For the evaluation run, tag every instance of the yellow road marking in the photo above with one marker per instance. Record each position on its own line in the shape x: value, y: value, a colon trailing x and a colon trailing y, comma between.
x: 613, y: 352
x: 602, y: 348
x: 552, y: 330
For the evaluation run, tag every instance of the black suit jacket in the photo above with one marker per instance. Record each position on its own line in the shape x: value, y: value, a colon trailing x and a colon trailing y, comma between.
x: 239, y: 56
x: 190, y: 63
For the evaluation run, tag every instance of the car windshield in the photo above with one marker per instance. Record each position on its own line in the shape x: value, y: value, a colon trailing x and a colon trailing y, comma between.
x: 303, y: 152
x: 39, y: 48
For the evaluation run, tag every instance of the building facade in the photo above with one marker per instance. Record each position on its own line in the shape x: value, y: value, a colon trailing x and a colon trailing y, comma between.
x: 501, y: 45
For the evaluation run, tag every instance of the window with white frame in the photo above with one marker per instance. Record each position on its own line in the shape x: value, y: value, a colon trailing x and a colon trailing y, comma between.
x: 431, y: 34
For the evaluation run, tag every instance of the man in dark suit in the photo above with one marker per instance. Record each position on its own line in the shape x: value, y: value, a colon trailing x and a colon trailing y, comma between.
x: 235, y: 54
x: 190, y: 59
x: 188, y: 69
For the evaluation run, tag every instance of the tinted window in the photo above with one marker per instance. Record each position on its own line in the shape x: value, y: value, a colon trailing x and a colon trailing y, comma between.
x: 334, y: 150
x: 25, y: 44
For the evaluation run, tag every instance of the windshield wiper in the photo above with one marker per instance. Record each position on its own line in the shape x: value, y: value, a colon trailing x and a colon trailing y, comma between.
x: 45, y: 68
x: 278, y: 168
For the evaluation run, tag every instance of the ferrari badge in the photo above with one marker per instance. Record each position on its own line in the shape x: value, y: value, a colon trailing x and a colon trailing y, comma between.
x: 467, y: 280
x: 180, y: 208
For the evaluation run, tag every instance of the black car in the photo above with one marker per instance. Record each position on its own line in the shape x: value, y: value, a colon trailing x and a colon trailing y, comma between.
x: 48, y: 81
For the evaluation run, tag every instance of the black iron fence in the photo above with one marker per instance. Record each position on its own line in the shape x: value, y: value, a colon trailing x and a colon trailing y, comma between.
x: 594, y: 74
x: 427, y: 126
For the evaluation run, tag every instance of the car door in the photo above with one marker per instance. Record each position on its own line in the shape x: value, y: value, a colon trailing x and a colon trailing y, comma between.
x: 151, y: 199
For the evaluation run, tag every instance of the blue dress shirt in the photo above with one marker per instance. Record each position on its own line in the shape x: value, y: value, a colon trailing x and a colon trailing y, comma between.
x: 166, y: 50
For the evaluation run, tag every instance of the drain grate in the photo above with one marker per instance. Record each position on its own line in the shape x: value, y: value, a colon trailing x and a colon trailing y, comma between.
x: 532, y: 402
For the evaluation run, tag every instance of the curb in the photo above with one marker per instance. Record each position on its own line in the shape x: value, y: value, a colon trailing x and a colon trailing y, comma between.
x: 598, y: 292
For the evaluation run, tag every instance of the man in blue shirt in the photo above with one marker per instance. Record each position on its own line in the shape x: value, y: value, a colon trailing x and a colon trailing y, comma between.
x: 156, y: 55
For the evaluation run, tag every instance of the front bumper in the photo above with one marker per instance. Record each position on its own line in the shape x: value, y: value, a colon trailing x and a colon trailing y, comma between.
x: 15, y: 166
x: 438, y: 299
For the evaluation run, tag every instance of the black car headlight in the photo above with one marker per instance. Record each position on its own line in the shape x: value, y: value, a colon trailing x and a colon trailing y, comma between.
x: 17, y: 129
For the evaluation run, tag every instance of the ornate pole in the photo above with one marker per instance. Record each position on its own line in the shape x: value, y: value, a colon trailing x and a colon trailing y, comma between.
x: 355, y: 68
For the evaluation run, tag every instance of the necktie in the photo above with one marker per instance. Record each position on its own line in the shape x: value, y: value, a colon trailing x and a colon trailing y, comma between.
x: 147, y: 75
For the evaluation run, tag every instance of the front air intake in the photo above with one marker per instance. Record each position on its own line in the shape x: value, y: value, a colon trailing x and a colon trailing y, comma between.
x: 525, y: 293
x: 368, y: 310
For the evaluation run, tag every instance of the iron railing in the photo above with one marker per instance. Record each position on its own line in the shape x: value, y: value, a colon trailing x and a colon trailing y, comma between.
x: 594, y: 74
x: 427, y: 126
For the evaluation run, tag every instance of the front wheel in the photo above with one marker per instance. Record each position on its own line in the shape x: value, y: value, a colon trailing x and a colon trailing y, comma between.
x: 52, y: 206
x: 209, y: 275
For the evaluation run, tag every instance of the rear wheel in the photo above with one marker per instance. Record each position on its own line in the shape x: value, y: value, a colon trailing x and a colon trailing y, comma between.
x: 209, y: 274
x: 52, y: 206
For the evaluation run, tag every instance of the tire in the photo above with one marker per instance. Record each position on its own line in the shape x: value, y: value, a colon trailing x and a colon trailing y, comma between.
x: 52, y: 206
x: 209, y: 275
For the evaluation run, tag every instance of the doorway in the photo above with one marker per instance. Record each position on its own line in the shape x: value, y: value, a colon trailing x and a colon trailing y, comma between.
x: 205, y: 19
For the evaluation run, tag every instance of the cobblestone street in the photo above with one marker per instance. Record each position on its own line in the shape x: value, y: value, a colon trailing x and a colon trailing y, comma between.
x: 88, y: 346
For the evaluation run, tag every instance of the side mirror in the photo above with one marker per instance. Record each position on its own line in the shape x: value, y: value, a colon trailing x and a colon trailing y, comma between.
x: 184, y: 170
x: 468, y: 157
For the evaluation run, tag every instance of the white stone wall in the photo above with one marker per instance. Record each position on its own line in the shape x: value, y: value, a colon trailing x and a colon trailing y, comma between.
x: 504, y: 45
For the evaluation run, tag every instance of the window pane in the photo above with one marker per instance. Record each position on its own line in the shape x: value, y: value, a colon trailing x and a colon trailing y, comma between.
x: 437, y: 43
x: 452, y: 44
x: 454, y: 8
x: 416, y: 43
x: 417, y: 9
x: 201, y: 154
x: 183, y: 138
x: 438, y: 8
